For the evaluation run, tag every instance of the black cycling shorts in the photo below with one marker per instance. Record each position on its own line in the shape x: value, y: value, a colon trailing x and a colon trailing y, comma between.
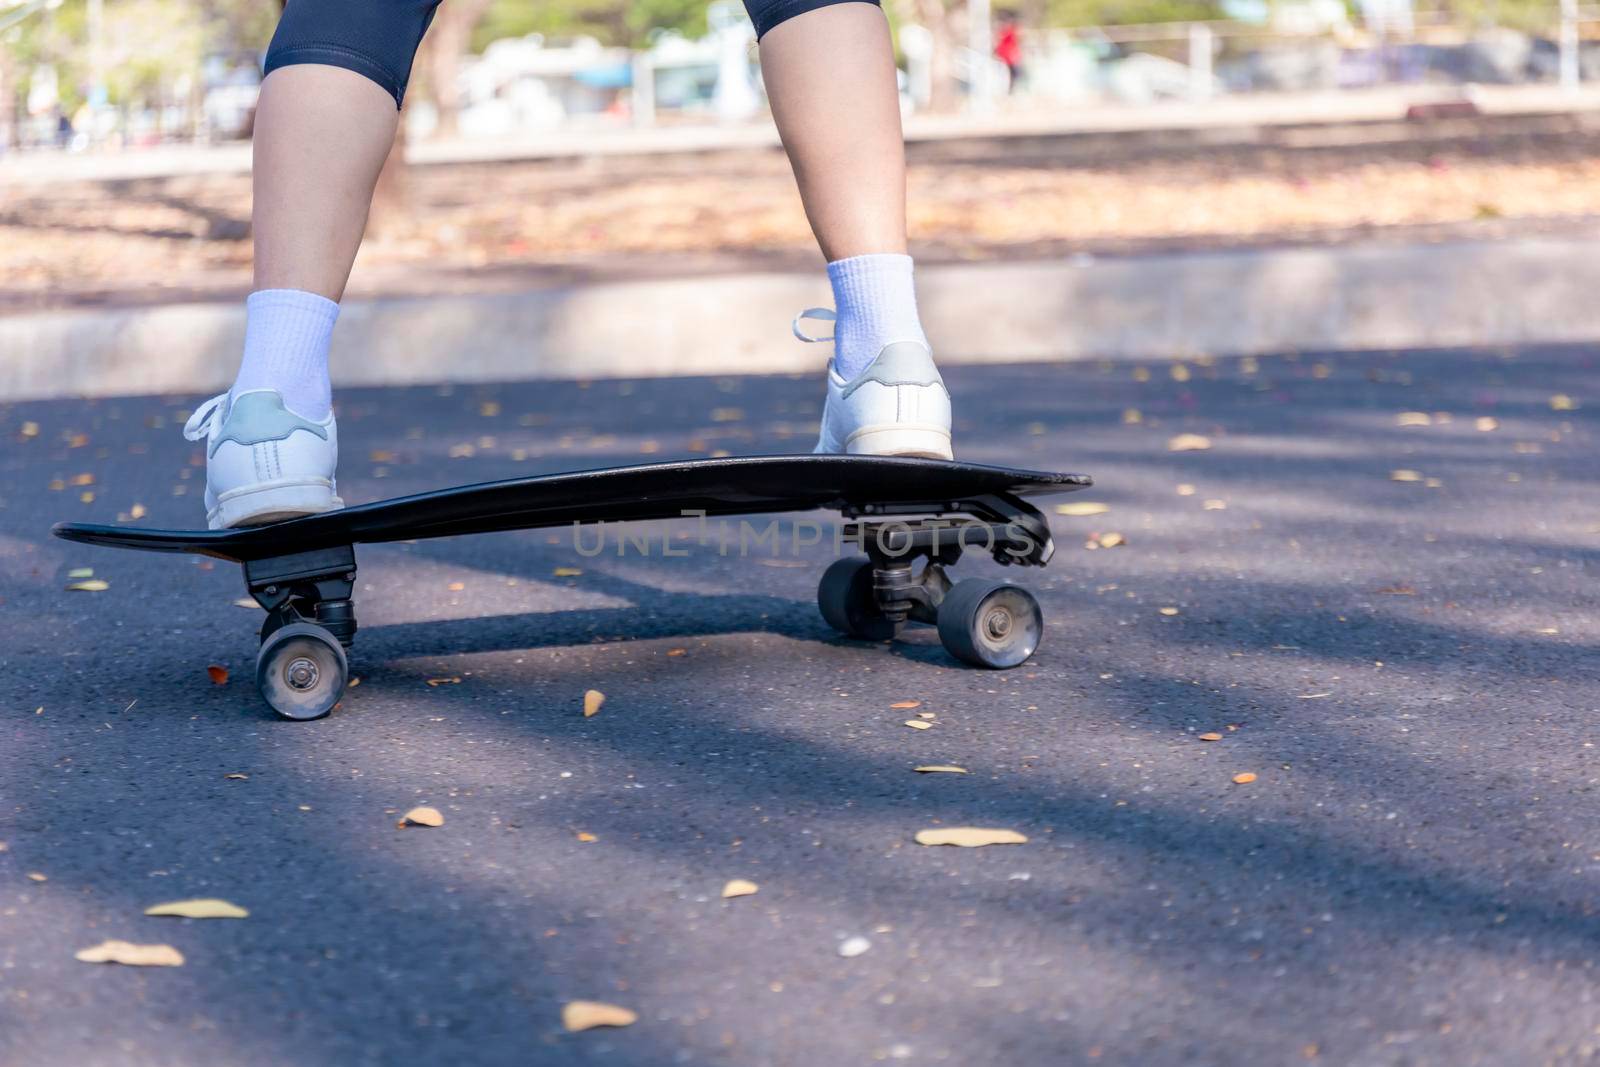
x: 379, y: 38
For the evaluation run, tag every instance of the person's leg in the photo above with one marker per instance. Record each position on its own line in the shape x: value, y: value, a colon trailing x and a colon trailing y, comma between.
x: 311, y: 198
x: 336, y: 73
x: 325, y: 120
x: 830, y: 78
x: 830, y: 75
x: 309, y: 212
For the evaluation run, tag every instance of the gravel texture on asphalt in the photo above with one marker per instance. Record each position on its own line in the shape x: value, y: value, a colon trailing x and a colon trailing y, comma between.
x: 1408, y: 668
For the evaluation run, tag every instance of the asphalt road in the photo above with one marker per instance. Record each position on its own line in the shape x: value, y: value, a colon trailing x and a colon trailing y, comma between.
x: 1408, y: 667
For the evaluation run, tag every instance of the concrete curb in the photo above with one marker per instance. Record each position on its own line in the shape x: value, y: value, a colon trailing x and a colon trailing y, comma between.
x: 1365, y: 297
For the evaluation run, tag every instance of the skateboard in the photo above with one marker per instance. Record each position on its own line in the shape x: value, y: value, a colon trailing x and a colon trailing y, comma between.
x: 897, y: 512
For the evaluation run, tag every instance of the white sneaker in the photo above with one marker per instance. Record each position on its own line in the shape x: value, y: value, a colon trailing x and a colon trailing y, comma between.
x: 898, y: 406
x: 263, y: 462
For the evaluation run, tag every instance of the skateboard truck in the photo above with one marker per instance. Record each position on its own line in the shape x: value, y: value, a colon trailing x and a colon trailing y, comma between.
x: 981, y: 622
x: 302, y: 668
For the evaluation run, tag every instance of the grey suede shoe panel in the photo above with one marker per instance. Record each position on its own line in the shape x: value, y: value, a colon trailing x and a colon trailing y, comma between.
x: 902, y: 363
x: 260, y: 416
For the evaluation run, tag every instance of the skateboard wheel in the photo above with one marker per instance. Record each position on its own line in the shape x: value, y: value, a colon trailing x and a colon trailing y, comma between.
x: 301, y: 671
x: 990, y: 624
x: 847, y: 602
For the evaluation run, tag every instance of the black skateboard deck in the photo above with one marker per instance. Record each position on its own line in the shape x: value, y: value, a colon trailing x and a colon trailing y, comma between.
x: 302, y: 570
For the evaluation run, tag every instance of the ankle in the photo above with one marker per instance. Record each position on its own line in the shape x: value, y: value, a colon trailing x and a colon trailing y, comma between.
x: 287, y: 336
x: 876, y: 305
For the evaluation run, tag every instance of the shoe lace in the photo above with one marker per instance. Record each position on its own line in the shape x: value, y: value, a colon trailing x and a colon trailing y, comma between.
x: 199, y: 424
x: 820, y: 315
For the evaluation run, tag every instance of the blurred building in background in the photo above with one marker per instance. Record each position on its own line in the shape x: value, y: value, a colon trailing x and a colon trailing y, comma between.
x: 121, y: 74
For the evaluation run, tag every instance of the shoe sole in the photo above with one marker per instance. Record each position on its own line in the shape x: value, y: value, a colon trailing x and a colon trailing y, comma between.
x: 272, y: 502
x: 924, y: 442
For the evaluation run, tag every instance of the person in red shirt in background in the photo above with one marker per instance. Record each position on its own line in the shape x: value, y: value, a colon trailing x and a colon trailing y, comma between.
x: 1008, y: 49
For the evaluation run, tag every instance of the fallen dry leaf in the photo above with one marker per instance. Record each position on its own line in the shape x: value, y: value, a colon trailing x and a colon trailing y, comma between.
x: 218, y: 674
x: 1189, y: 442
x: 918, y: 724
x: 489, y: 409
x: 1185, y: 489
x: 1414, y: 418
x: 126, y: 952
x: 1243, y: 778
x: 906, y: 705
x: 738, y: 887
x: 969, y: 837
x: 81, y: 572
x: 237, y: 777
x: 1397, y: 590
x: 1563, y: 402
x: 37, y: 876
x: 579, y: 1015
x: 245, y: 602
x: 422, y: 817
x: 1132, y: 416
x: 1169, y: 611
x: 566, y: 572
x: 1211, y: 737
x: 1405, y: 476
x: 30, y: 429
x: 1214, y: 505
x: 677, y: 651
x: 203, y: 908
x: 1109, y: 540
x: 851, y: 947
x: 592, y: 699
x: 436, y: 682
x: 1315, y: 696
x: 1485, y: 424
x: 93, y: 585
x: 1083, y: 507
x: 586, y: 837
x: 940, y: 768
x: 456, y: 587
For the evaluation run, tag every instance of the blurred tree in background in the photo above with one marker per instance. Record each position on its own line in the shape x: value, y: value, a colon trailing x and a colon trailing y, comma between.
x: 1128, y: 12
x: 611, y: 22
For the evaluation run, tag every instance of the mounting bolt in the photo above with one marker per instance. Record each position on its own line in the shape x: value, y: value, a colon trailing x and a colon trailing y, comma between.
x: 302, y: 673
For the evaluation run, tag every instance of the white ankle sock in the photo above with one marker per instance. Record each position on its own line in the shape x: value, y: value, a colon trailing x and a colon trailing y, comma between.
x: 876, y: 306
x: 286, y: 338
